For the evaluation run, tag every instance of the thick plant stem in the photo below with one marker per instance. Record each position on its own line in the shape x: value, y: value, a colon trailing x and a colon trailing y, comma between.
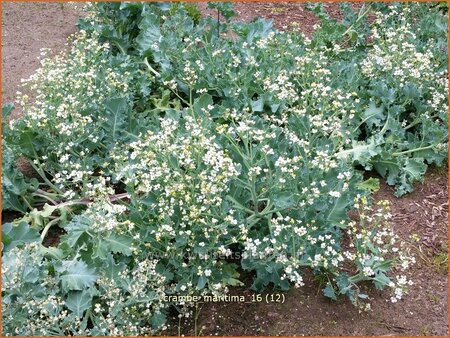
x: 27, y: 203
x: 150, y: 68
x: 47, y: 227
x: 86, y: 201
x: 239, y: 205
x: 418, y: 121
x: 46, y: 180
x: 413, y: 150
x: 45, y: 197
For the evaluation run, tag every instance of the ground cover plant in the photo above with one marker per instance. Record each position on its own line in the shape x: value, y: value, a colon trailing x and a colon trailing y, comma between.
x: 163, y: 147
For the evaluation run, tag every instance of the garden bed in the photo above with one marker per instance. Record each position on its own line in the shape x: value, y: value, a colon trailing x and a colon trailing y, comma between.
x: 419, y: 218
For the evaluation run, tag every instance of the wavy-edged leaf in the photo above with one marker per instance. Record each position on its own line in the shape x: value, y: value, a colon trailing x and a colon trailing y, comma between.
x: 79, y: 301
x: 338, y: 211
x: 112, y: 269
x: 329, y: 292
x: 150, y: 32
x: 76, y: 275
x: 373, y: 115
x: 16, y: 235
x: 75, y: 229
x: 119, y: 244
x: 116, y: 114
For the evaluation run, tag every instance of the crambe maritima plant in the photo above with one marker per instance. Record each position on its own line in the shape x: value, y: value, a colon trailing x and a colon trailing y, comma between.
x: 175, y: 152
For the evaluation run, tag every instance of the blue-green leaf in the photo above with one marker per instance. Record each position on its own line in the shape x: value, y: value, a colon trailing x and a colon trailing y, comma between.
x: 150, y: 32
x: 283, y: 200
x: 16, y: 235
x: 116, y: 113
x: 76, y: 275
x: 79, y: 301
x: 373, y: 115
x: 6, y: 110
x: 119, y: 244
x: 328, y: 291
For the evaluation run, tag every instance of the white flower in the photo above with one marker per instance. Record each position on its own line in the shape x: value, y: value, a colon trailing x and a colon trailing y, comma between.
x: 335, y: 194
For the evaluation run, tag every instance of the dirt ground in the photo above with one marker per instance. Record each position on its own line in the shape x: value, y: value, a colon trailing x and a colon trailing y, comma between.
x: 27, y: 27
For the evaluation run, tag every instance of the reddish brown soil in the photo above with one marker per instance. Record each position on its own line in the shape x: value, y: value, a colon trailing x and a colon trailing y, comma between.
x: 283, y: 14
x: 27, y: 27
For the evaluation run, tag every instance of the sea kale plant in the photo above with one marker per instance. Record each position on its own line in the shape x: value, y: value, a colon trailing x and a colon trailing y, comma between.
x: 175, y: 151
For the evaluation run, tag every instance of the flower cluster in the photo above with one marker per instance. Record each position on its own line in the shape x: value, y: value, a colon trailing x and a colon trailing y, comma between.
x: 395, y: 53
x: 75, y: 75
x: 130, y: 301
x: 165, y: 152
x: 41, y: 309
x: 374, y: 248
x: 201, y: 172
x: 72, y: 91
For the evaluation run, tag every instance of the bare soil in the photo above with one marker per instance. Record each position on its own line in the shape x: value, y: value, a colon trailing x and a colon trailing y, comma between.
x: 283, y: 14
x: 27, y: 27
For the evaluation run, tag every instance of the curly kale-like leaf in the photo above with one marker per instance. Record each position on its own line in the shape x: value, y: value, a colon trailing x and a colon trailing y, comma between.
x: 401, y: 172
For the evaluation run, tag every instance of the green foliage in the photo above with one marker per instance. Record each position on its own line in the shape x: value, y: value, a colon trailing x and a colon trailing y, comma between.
x: 224, y: 8
x: 16, y: 189
x: 75, y: 275
x: 164, y: 150
x: 440, y: 6
x: 14, y: 235
x: 78, y: 302
x: 191, y: 9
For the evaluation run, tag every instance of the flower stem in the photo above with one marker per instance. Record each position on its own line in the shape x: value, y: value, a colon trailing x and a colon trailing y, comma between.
x: 413, y: 150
